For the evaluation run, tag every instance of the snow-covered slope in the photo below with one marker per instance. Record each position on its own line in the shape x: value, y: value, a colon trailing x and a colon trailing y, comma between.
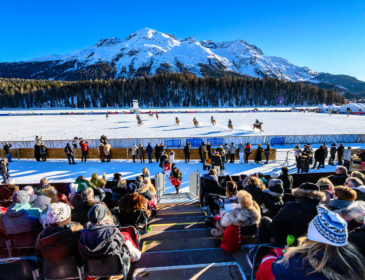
x: 148, y: 51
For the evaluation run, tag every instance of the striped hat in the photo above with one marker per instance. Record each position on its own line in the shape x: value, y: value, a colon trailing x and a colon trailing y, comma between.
x: 328, y: 227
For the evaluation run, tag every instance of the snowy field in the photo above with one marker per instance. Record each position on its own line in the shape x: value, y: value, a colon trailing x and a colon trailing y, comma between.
x: 58, y: 127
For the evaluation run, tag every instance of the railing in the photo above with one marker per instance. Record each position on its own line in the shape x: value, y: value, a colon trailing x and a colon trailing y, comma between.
x: 194, y: 183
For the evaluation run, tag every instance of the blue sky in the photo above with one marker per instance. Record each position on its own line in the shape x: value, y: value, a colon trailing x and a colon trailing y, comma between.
x: 324, y: 35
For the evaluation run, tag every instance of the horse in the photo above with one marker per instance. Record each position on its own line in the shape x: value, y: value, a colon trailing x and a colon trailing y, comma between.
x: 196, y: 123
x: 258, y: 126
x: 177, y: 121
x: 156, y: 115
x: 150, y: 113
x: 212, y: 120
x: 139, y: 122
x: 230, y: 126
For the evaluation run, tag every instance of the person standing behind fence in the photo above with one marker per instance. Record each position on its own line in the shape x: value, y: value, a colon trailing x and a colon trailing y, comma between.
x: 232, y: 152
x: 141, y: 153
x: 222, y: 153
x: 258, y: 156
x: 37, y: 153
x: 226, y: 151
x: 216, y: 162
x: 340, y: 151
x: 84, y: 150
x: 101, y: 152
x: 157, y: 153
x: 347, y: 158
x: 107, y: 151
x: 70, y: 154
x: 267, y: 153
x: 241, y: 152
x: 43, y: 151
x: 4, y: 171
x: 247, y: 151
x: 134, y: 152
x: 202, y: 152
x: 7, y: 148
x: 149, y: 152
x: 187, y: 152
x: 333, y: 151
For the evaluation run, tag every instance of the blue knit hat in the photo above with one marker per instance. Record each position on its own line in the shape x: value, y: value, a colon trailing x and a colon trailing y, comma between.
x: 328, y: 227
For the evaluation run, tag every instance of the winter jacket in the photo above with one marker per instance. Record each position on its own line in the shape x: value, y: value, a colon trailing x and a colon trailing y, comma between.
x: 7, y: 148
x: 40, y: 201
x: 287, y: 182
x: 84, y: 146
x: 157, y: 151
x: 107, y: 149
x: 140, y: 151
x: 149, y: 150
x: 241, y: 148
x: 216, y: 160
x: 340, y: 151
x: 43, y: 150
x: 256, y: 192
x: 360, y: 190
x: 134, y: 150
x: 104, y: 241
x: 57, y: 243
x: 240, y: 217
x: 338, y: 204
x: 144, y: 190
x: 347, y: 155
x: 232, y: 149
x: 295, y: 216
x: 187, y: 149
x: 352, y: 212
x: 81, y: 210
x: 259, y: 152
x: 357, y: 238
x: 248, y: 149
x: 362, y: 156
x: 20, y: 218
x: 297, y: 151
x: 298, y: 270
x: 119, y: 191
x: 271, y: 202
x: 82, y: 184
x: 338, y: 179
x: 209, y: 185
x: 133, y: 202
x: 68, y: 150
x: 333, y: 150
x: 37, y: 152
x: 319, y: 155
x: 48, y: 191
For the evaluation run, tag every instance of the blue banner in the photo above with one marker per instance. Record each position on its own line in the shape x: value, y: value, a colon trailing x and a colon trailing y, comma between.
x: 215, y: 141
x: 195, y: 142
x: 277, y: 141
x: 173, y: 143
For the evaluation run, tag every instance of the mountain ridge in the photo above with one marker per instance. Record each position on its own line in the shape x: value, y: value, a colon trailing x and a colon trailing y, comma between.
x: 147, y: 52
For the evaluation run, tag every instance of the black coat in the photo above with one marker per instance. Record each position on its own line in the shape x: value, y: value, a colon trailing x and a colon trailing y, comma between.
x: 208, y: 184
x: 7, y: 148
x: 294, y: 218
x: 258, y: 156
x: 272, y: 204
x: 319, y: 155
x: 157, y: 152
x: 68, y: 150
x: 287, y: 182
x: 338, y: 179
x: 187, y: 149
x: 37, y: 151
x: 256, y: 192
x: 149, y: 150
x: 357, y: 238
x: 216, y: 160
x: 340, y: 151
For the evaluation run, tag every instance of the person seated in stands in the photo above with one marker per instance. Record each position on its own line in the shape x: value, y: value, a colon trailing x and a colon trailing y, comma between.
x: 294, y: 217
x: 102, y: 238
x: 325, y: 254
x: 217, y: 202
x: 97, y: 182
x: 287, y: 179
x: 119, y: 189
x: 263, y: 179
x: 227, y: 178
x: 272, y: 198
x: 37, y: 201
x: 340, y: 177
x: 357, y: 185
x: 357, y: 238
x: 58, y: 240
x: 132, y: 203
x: 255, y: 187
x: 21, y: 217
x: 113, y: 183
x: 145, y: 173
x: 343, y: 198
x: 241, y: 182
x: 358, y: 175
x: 326, y: 186
x: 83, y: 205
x: 148, y: 184
x: 245, y: 214
x: 209, y: 184
x: 82, y: 183
x: 46, y: 189
x: 142, y: 189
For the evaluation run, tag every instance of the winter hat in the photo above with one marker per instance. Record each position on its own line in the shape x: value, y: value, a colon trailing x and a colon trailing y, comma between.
x: 328, y: 228
x: 276, y: 186
x: 275, y: 175
x: 132, y: 188
x: 21, y: 197
x: 97, y: 213
x: 309, y: 187
x: 57, y: 213
x: 12, y: 182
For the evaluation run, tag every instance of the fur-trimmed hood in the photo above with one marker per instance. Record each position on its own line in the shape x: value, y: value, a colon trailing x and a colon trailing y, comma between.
x: 241, y: 217
x: 315, y: 195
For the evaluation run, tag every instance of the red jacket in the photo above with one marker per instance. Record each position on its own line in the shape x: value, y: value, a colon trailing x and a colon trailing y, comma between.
x: 83, y: 146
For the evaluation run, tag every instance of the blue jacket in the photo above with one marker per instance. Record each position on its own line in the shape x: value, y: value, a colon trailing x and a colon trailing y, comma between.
x: 149, y: 150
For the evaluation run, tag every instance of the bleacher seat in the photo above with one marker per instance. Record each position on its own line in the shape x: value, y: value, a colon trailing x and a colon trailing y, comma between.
x: 107, y: 266
x: 65, y: 269
x: 24, y: 268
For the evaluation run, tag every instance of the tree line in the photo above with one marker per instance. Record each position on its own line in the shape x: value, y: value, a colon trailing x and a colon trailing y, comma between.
x: 163, y: 90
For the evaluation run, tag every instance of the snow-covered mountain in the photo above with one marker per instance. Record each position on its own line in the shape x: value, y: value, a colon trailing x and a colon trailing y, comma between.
x: 147, y: 52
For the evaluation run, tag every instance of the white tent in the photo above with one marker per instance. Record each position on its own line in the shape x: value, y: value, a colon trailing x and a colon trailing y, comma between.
x: 354, y: 107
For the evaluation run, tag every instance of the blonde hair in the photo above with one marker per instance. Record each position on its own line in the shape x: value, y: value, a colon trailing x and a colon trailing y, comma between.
x: 325, y: 182
x: 245, y: 199
x: 321, y: 256
x: 256, y: 181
